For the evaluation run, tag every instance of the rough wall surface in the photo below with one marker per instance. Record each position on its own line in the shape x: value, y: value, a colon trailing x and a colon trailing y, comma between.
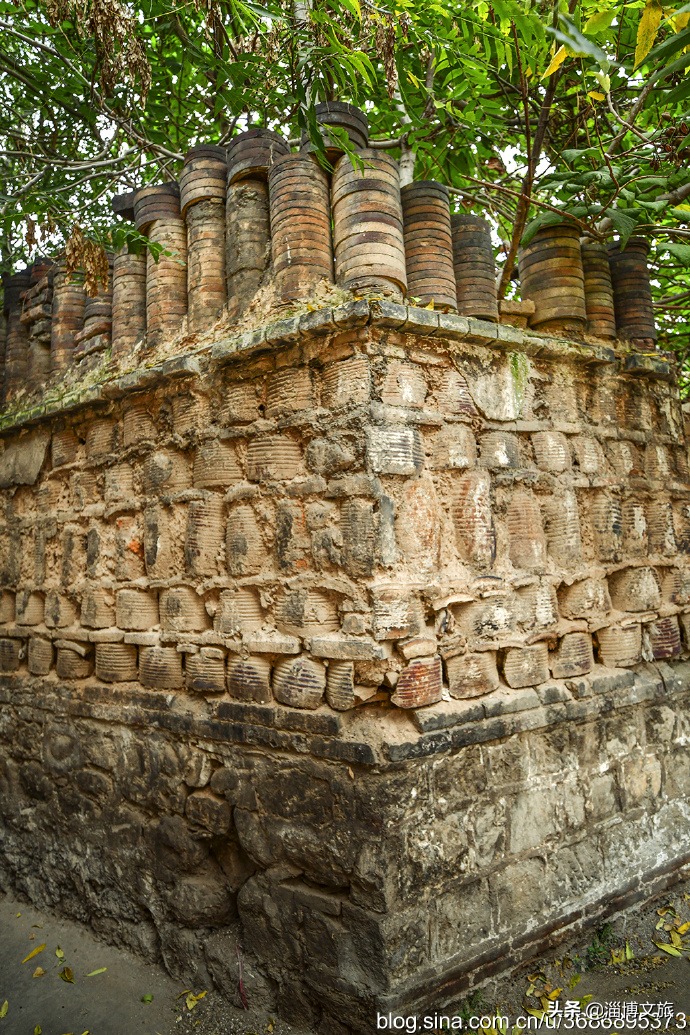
x: 360, y: 640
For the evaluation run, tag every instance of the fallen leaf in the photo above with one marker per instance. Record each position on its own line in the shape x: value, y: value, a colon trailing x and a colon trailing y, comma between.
x: 18, y: 914
x: 659, y: 925
x: 39, y: 972
x: 670, y: 949
x: 186, y: 992
x: 31, y: 937
x: 676, y: 940
x: 39, y: 948
x: 684, y: 927
x: 555, y: 994
x: 575, y: 980
x: 148, y: 998
x: 59, y: 953
x: 67, y: 975
x: 4, y: 1008
x: 101, y: 970
x: 629, y: 955
x: 192, y: 999
x: 38, y: 925
x: 38, y: 1030
x: 530, y: 990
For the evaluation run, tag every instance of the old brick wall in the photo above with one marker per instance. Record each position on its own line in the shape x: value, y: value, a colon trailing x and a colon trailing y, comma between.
x: 360, y: 638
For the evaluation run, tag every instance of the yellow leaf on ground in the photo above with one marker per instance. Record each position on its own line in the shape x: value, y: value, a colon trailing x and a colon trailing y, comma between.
x: 575, y: 980
x: 676, y: 939
x: 684, y: 927
x: 39, y: 972
x: 670, y: 949
x: 101, y: 970
x: 4, y: 1008
x: 555, y: 994
x: 647, y: 29
x: 67, y: 975
x: 556, y: 62
x: 192, y: 1000
x: 628, y: 952
x: 659, y: 925
x: 38, y: 1030
x: 39, y: 948
x: 59, y: 953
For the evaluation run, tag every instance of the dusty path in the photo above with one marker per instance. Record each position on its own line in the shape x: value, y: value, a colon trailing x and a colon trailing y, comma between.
x: 619, y: 965
x: 108, y: 1003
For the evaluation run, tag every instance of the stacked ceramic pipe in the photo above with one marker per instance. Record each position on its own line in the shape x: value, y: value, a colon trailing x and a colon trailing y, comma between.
x: 96, y: 334
x: 202, y: 203
x: 157, y: 215
x: 16, y: 340
x: 69, y: 303
x: 37, y: 316
x: 579, y: 285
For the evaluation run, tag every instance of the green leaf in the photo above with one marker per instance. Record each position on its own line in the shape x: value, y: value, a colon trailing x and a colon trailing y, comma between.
x: 4, y: 1008
x: 101, y: 970
x: 622, y: 223
x: 577, y: 43
x: 600, y: 21
x: 680, y: 252
x: 148, y: 998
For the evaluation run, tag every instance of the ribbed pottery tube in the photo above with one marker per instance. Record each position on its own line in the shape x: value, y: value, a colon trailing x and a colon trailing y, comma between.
x: 69, y: 302
x: 95, y: 335
x: 157, y: 214
x: 300, y: 225
x: 632, y: 293
x: 341, y: 116
x: 129, y: 301
x: 247, y: 218
x: 38, y: 308
x: 601, y: 319
x: 368, y: 225
x: 475, y: 271
x: 202, y: 202
x: 17, y: 339
x: 252, y: 153
x: 429, y: 245
x: 551, y: 275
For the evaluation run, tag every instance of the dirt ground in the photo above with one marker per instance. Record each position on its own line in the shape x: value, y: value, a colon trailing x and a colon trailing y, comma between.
x: 633, y: 972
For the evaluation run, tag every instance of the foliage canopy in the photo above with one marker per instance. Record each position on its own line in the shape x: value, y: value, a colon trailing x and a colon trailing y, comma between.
x: 526, y: 108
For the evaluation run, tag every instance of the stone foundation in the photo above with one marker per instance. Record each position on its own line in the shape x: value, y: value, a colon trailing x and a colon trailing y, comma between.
x: 358, y: 641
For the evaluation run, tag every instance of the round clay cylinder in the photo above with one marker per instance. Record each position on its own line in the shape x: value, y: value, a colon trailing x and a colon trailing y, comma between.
x: 300, y: 225
x: 38, y: 364
x: 203, y: 176
x: 129, y: 301
x: 247, y: 241
x: 428, y: 245
x: 160, y: 201
x: 368, y: 225
x: 551, y: 275
x: 17, y: 336
x: 344, y: 117
x: 601, y: 319
x: 202, y: 199
x: 475, y: 270
x: 42, y: 267
x: 157, y: 214
x: 100, y: 306
x: 252, y: 153
x: 69, y: 302
x: 632, y: 293
x: 206, y: 282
